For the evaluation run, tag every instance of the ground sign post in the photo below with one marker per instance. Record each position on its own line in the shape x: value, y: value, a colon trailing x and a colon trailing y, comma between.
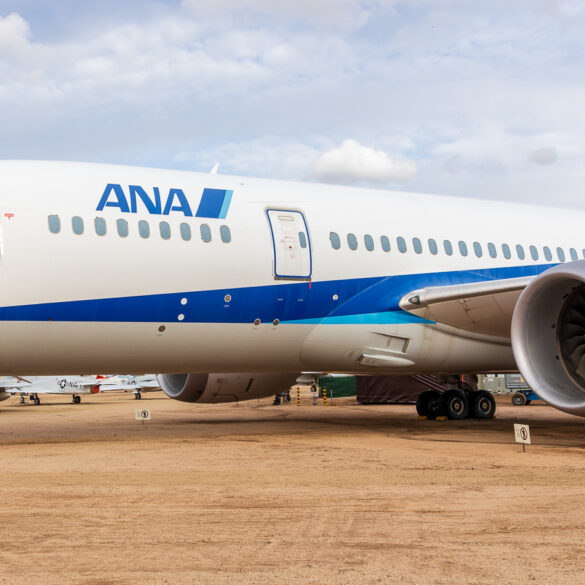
x: 142, y: 414
x: 522, y: 434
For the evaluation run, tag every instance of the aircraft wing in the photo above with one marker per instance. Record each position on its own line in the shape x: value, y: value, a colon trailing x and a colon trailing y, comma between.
x: 120, y: 387
x: 479, y: 307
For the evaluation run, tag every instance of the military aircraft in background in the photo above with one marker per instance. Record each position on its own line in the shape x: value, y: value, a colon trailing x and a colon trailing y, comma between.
x: 75, y: 386
x: 33, y: 386
x: 128, y: 383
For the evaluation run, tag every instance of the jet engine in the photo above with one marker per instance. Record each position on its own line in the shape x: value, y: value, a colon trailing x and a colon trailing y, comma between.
x: 548, y: 336
x: 224, y: 387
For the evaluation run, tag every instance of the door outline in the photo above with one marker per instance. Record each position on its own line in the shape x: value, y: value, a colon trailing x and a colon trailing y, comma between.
x: 290, y: 276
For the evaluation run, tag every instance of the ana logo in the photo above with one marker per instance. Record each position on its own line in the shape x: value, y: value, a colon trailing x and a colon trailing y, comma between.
x: 214, y: 203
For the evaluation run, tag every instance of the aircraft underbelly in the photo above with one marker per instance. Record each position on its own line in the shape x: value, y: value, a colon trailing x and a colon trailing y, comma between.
x: 77, y: 348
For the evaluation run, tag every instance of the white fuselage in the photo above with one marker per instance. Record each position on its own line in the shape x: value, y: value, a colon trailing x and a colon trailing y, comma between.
x: 85, y: 302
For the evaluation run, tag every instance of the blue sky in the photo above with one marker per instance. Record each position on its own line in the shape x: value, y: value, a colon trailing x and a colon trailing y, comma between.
x: 476, y: 99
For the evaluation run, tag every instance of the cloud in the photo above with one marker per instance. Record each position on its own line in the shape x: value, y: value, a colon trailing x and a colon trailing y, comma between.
x: 353, y: 163
x: 546, y: 155
x: 344, y: 14
x: 14, y: 36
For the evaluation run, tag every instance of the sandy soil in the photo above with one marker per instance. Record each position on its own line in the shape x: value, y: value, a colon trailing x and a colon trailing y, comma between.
x: 259, y: 494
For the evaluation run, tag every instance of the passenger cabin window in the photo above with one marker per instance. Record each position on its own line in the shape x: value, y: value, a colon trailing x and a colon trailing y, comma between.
x: 448, y: 247
x: 533, y: 252
x: 547, y: 253
x: 561, y: 254
x: 506, y: 251
x: 477, y: 249
x: 226, y: 236
x: 434, y: 250
x: 520, y: 252
x: 352, y: 241
x: 335, y: 241
x: 416, y: 244
x: 185, y: 230
x: 144, y: 228
x: 100, y: 226
x: 77, y: 225
x: 122, y: 226
x: 165, y: 230
x: 385, y: 243
x: 573, y: 254
x: 54, y: 224
x: 205, y: 232
x: 401, y: 242
x: 492, y: 250
x: 369, y: 242
x: 462, y: 248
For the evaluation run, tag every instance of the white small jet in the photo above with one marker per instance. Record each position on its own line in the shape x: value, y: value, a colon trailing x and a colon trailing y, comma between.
x: 128, y: 383
x: 33, y: 386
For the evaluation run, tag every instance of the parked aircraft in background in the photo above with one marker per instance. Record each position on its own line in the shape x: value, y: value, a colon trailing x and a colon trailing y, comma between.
x: 34, y: 386
x: 75, y: 386
x: 234, y: 286
x: 127, y: 383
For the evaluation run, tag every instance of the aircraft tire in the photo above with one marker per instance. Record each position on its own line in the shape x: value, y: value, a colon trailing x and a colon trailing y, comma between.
x: 77, y: 400
x: 36, y: 401
x: 518, y: 399
x: 483, y: 405
x: 454, y: 405
x: 421, y: 404
x: 137, y: 396
x: 428, y: 404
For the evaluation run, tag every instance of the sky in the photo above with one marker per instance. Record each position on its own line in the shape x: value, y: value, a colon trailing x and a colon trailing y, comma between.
x: 456, y: 97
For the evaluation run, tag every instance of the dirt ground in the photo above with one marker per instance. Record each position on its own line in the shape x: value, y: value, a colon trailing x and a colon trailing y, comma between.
x: 259, y: 494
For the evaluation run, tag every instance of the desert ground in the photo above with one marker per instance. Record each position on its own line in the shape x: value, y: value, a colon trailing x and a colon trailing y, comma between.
x: 261, y: 494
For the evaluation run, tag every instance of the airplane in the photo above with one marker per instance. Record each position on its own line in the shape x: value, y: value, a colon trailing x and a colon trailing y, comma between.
x: 128, y: 383
x: 37, y: 385
x: 233, y: 287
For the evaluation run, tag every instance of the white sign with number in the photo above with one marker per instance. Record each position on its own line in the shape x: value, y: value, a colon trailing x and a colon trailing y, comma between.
x: 142, y: 414
x: 522, y: 434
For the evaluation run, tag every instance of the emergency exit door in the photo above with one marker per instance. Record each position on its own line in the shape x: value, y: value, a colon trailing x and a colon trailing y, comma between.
x: 291, y: 244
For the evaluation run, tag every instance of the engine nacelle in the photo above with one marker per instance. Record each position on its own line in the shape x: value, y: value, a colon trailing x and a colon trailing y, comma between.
x: 224, y: 387
x: 4, y: 395
x: 548, y: 336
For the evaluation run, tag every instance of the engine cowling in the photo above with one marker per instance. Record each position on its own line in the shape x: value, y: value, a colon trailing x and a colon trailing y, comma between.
x: 548, y: 336
x: 224, y: 387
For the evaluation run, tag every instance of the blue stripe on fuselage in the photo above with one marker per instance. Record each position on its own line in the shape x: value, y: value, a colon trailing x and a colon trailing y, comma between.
x: 359, y: 299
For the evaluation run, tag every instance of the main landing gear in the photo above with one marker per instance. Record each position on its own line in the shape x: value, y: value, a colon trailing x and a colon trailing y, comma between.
x: 456, y: 404
x: 76, y: 399
x: 137, y: 395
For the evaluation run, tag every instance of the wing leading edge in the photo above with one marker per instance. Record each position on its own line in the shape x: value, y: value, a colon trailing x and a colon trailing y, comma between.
x: 484, y: 308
